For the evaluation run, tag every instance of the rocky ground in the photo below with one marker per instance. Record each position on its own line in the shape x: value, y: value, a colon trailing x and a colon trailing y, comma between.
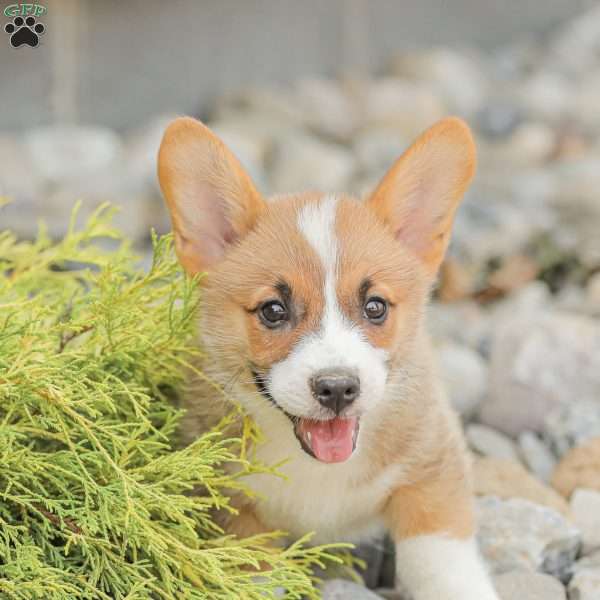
x: 516, y: 318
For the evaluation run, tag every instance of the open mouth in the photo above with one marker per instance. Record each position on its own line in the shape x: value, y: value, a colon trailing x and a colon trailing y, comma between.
x: 330, y: 441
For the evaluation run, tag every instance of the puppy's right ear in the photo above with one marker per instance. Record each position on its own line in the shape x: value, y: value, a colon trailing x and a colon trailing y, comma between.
x: 212, y: 200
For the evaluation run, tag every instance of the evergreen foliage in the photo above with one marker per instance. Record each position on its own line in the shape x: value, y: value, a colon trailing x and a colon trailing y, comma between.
x: 94, y: 492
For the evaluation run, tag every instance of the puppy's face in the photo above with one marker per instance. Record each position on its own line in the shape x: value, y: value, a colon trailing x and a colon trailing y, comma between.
x: 308, y: 300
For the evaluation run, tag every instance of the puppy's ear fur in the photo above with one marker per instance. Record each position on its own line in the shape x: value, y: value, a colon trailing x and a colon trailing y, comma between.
x: 211, y: 198
x: 419, y: 195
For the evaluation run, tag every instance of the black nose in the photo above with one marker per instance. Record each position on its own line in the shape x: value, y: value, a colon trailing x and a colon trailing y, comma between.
x: 335, y: 389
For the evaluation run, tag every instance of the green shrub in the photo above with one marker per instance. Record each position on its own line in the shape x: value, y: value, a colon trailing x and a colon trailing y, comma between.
x: 94, y: 498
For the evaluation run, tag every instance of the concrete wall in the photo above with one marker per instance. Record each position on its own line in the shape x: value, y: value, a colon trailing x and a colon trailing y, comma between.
x: 116, y: 63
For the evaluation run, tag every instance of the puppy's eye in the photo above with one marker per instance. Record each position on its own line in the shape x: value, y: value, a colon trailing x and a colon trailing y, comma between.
x: 273, y: 313
x: 375, y: 310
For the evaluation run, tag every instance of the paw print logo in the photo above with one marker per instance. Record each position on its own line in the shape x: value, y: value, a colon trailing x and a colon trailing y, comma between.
x: 24, y: 31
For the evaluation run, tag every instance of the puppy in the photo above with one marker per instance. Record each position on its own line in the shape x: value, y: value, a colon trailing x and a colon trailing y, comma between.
x: 312, y: 317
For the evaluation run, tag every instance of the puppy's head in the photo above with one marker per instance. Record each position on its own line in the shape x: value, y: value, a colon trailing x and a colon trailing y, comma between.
x: 309, y: 300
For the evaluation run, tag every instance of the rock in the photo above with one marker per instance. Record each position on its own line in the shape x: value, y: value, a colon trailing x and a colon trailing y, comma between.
x: 585, y: 509
x: 377, y: 148
x: 278, y: 103
x: 490, y: 225
x: 304, y: 163
x: 341, y: 589
x: 391, y: 594
x: 457, y: 76
x: 524, y: 585
x: 489, y: 442
x: 464, y: 323
x: 257, y: 125
x: 536, y: 455
x: 63, y: 153
x: 572, y: 425
x: 585, y: 582
x: 403, y: 106
x: 372, y: 553
x: 580, y: 468
x: 141, y: 149
x: 507, y: 479
x: 585, y: 585
x: 592, y: 294
x: 22, y: 186
x: 497, y: 120
x: 589, y: 562
x: 517, y: 534
x: 575, y: 203
x: 464, y: 374
x: 546, y: 94
x: 530, y: 144
x: 584, y: 104
x: 576, y: 47
x: 330, y: 110
x: 387, y: 574
x: 540, y: 362
x: 531, y: 298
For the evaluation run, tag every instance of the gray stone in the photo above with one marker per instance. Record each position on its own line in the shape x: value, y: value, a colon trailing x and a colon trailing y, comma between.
x: 302, y: 163
x: 490, y: 225
x: 589, y: 562
x: 372, y: 553
x: 572, y: 424
x: 525, y: 585
x: 457, y: 76
x: 540, y: 362
x: 498, y: 120
x: 576, y: 46
x: 489, y: 442
x: 377, y: 148
x: 331, y: 110
x: 585, y: 585
x: 342, y: 589
x: 63, y: 153
x: 536, y: 455
x: 592, y: 294
x: 391, y: 594
x: 465, y: 376
x: 517, y: 534
x: 405, y: 107
x: 575, y: 203
x: 141, y: 149
x: 546, y: 94
x: 530, y: 144
x: 464, y: 323
x: 585, y: 508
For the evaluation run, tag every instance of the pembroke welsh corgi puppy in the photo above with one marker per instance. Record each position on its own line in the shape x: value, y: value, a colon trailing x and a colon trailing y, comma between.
x: 312, y: 318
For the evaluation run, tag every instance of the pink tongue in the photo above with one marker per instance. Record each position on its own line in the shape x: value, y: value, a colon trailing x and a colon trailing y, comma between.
x: 331, y: 441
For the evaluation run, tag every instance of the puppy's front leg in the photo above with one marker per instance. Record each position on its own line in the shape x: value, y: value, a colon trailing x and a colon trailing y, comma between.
x: 436, y: 553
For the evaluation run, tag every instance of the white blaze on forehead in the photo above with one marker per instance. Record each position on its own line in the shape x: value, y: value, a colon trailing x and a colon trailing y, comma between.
x: 317, y: 224
x: 338, y: 342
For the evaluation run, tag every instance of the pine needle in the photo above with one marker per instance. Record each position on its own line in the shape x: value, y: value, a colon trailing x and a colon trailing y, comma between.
x: 94, y: 491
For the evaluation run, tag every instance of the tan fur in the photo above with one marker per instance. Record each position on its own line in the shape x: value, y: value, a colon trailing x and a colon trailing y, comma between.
x: 410, y: 470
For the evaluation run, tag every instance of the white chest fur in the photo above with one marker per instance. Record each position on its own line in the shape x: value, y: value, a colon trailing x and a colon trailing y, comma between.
x: 339, y: 502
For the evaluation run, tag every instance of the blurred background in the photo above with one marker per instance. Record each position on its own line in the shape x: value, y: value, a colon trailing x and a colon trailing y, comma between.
x: 326, y: 95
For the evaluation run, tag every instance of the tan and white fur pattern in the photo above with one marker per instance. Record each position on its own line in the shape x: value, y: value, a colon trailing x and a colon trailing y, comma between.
x: 321, y: 256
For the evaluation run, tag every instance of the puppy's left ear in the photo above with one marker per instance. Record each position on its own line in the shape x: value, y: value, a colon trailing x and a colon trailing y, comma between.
x: 419, y: 195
